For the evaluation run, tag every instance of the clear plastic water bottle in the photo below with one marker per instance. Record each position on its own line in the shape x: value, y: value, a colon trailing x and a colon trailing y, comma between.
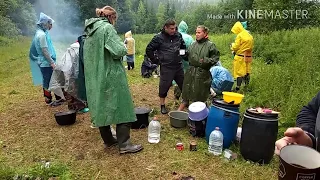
x: 154, y: 129
x: 216, y: 142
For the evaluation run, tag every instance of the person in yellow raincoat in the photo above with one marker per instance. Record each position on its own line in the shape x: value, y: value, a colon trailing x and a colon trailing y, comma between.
x: 242, y: 50
x: 130, y: 45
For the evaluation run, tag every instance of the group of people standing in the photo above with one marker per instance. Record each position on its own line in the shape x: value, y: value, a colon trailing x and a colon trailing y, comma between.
x: 182, y: 60
x: 188, y: 63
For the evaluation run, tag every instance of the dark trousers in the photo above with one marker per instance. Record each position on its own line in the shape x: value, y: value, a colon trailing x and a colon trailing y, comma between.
x: 123, y: 134
x: 167, y: 75
x: 130, y: 65
x: 46, y: 75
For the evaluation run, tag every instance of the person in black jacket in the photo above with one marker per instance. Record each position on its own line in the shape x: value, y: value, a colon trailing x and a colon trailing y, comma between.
x: 308, y: 122
x: 170, y: 49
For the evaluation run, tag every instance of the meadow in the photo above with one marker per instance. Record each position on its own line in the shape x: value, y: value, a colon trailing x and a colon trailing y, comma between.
x: 285, y: 77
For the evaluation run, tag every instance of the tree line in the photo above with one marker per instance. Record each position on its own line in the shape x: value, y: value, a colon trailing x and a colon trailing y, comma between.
x: 148, y: 16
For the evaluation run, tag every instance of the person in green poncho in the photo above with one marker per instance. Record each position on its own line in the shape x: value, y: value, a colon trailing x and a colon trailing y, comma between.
x: 202, y: 55
x: 107, y: 88
x: 183, y: 29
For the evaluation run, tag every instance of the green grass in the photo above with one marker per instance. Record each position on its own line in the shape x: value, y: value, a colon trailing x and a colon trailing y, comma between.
x: 29, y: 134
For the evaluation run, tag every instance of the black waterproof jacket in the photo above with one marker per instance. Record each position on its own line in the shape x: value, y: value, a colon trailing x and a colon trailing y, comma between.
x: 309, y: 120
x: 167, y: 48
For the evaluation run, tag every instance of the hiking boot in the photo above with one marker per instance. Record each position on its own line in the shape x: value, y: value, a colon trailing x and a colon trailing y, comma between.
x: 130, y: 148
x: 163, y: 109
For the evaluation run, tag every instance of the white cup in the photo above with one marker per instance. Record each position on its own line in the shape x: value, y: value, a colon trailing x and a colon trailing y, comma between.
x: 182, y: 51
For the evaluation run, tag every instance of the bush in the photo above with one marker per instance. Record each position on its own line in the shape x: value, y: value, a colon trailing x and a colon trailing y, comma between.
x: 8, y: 28
x: 24, y: 17
x: 287, y: 84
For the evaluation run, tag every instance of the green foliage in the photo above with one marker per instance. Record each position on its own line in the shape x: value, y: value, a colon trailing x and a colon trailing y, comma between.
x: 141, y: 18
x: 288, y: 83
x: 24, y: 17
x: 161, y: 18
x: 16, y: 17
x: 8, y: 28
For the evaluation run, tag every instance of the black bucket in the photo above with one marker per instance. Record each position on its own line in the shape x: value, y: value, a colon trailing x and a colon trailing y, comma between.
x: 197, y: 128
x: 258, y: 137
x: 142, y: 115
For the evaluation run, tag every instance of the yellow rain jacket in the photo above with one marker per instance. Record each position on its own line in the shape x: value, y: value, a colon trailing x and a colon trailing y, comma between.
x: 130, y: 43
x: 242, y: 48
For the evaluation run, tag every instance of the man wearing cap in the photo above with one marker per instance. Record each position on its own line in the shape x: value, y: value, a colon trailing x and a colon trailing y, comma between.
x: 42, y: 55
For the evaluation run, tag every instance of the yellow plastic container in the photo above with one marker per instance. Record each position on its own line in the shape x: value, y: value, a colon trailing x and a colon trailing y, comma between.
x: 231, y: 96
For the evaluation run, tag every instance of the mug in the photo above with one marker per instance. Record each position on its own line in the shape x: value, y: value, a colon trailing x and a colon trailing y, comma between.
x: 299, y: 163
x: 182, y: 52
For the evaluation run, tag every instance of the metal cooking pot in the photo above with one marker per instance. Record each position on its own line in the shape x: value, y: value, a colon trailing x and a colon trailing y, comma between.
x: 142, y: 114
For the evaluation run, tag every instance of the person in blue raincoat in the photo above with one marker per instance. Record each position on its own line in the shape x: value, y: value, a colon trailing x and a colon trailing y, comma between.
x: 222, y: 80
x: 42, y: 58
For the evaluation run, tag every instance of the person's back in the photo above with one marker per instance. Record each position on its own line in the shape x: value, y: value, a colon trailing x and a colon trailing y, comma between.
x: 108, y: 93
x: 242, y: 49
x: 246, y: 43
x: 222, y: 79
x: 130, y: 43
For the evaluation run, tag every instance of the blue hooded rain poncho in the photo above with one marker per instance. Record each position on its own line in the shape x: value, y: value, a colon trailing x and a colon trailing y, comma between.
x: 36, y: 56
x: 222, y: 79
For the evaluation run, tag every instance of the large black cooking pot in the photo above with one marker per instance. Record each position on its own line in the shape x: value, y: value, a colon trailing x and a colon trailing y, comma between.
x: 142, y: 114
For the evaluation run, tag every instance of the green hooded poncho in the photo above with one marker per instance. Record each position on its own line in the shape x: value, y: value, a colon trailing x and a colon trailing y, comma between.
x: 183, y: 29
x: 197, y: 79
x: 188, y: 40
x: 108, y: 94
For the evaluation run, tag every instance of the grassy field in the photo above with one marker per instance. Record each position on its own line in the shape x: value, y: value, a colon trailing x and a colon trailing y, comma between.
x: 29, y: 135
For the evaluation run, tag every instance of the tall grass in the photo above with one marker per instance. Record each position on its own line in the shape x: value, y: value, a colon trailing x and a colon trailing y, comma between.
x: 288, y: 83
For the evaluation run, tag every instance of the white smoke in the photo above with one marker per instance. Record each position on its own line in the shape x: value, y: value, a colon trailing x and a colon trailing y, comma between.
x: 67, y: 26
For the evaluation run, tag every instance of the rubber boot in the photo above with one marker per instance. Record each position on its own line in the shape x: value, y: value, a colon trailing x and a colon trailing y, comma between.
x: 123, y: 136
x: 247, y: 79
x: 239, y: 82
x: 163, y: 109
x: 108, y: 139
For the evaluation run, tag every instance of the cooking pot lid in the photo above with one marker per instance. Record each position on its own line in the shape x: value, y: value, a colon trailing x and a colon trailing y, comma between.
x: 197, y: 107
x: 262, y: 114
x: 142, y: 110
x: 221, y: 102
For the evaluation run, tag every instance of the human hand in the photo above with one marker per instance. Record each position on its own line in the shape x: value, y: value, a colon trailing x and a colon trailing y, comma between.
x: 293, y: 136
x: 53, y: 65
